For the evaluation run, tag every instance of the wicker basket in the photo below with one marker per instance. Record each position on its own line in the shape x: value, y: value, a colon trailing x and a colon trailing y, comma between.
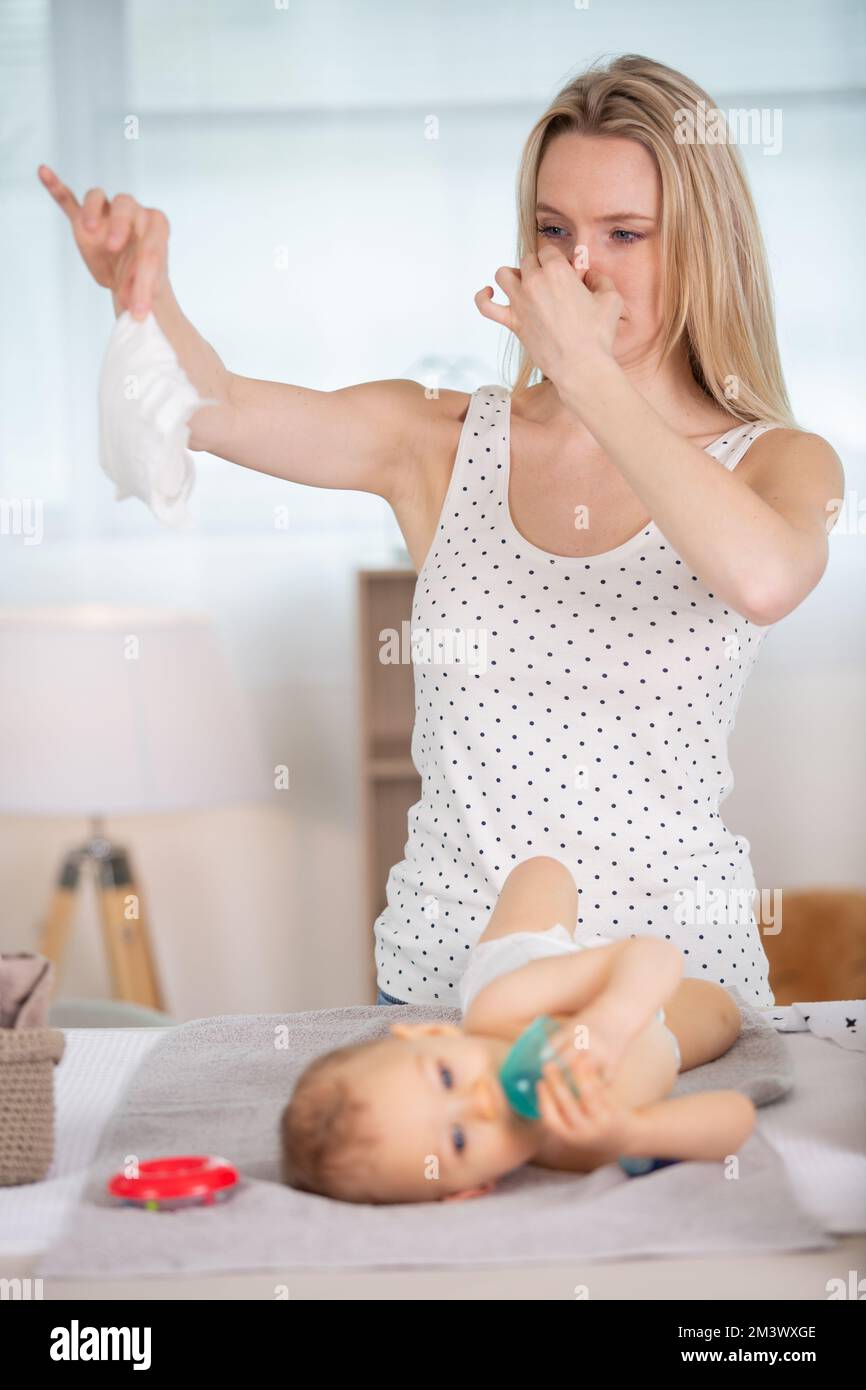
x: 27, y: 1060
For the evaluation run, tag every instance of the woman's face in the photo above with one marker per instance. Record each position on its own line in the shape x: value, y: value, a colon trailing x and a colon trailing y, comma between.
x: 603, y: 193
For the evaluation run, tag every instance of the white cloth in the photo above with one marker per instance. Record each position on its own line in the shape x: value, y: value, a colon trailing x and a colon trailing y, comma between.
x: 842, y: 1021
x: 570, y: 706
x: 145, y: 403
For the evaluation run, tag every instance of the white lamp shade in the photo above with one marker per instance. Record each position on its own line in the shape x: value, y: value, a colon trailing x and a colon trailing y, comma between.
x: 120, y: 711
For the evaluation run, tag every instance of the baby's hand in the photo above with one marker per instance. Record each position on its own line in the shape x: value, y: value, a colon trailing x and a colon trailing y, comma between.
x: 583, y: 1038
x: 597, y: 1118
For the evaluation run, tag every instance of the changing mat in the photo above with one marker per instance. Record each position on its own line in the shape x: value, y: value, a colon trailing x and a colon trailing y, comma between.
x: 218, y: 1085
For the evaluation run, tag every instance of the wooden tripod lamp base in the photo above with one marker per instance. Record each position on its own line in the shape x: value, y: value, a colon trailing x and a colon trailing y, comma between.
x: 124, y: 925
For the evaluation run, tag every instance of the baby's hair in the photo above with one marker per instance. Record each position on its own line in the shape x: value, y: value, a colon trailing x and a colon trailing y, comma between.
x: 327, y: 1140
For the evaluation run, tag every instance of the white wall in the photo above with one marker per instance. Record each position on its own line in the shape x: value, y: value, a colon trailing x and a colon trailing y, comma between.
x: 260, y: 128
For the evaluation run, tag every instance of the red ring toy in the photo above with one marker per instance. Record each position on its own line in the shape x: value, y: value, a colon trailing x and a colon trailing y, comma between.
x: 177, y: 1181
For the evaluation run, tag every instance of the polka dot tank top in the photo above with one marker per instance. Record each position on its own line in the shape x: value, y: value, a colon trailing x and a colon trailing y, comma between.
x: 576, y: 707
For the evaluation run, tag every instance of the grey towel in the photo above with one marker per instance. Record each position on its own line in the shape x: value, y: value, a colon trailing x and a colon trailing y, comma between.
x: 218, y: 1085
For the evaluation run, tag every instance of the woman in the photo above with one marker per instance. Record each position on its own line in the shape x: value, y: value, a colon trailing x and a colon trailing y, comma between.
x: 621, y: 533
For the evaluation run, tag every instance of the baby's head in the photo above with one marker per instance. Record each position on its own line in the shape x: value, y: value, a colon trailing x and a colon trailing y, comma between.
x: 417, y: 1116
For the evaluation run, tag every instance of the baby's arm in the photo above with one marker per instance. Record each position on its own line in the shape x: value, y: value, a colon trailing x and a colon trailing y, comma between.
x: 626, y: 981
x: 604, y: 996
x: 709, y: 1125
x: 643, y: 975
x: 596, y: 1127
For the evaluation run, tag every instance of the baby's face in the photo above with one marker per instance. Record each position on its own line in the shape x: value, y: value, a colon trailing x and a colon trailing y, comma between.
x: 445, y: 1124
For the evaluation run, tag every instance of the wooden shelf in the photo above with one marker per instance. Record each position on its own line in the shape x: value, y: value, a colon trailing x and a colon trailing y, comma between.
x: 390, y: 769
x: 391, y: 783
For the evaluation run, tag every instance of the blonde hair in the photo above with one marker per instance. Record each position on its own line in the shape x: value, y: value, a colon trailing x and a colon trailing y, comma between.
x: 720, y: 294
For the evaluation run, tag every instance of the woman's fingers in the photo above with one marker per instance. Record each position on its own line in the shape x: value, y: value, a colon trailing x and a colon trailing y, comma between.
x: 120, y: 219
x: 123, y: 244
x: 499, y: 313
x: 550, y: 254
x: 151, y: 228
x: 601, y: 284
x: 137, y: 304
x: 63, y: 196
x: 507, y: 278
x: 92, y: 209
x: 598, y: 283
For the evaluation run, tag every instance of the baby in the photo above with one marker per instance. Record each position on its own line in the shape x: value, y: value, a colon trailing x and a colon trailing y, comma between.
x: 421, y: 1115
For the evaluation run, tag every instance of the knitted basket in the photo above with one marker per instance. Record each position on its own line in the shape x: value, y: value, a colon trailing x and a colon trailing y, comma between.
x: 27, y: 1060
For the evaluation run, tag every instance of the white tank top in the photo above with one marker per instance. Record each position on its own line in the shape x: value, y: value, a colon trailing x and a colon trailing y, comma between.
x: 576, y: 707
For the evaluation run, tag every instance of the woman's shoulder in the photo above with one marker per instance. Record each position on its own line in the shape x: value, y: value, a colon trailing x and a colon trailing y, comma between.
x: 800, y: 475
x: 784, y: 452
x: 781, y: 451
x: 439, y: 417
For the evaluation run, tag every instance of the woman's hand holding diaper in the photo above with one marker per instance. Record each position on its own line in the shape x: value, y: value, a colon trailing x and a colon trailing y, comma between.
x: 597, y: 1118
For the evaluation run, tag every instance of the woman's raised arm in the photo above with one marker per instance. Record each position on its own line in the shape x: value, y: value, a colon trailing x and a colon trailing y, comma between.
x: 364, y: 437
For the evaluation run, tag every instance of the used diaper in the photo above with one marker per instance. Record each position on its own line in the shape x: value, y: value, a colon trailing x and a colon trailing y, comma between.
x: 145, y: 403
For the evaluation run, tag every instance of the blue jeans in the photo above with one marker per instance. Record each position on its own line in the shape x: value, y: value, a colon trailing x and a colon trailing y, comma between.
x: 383, y: 998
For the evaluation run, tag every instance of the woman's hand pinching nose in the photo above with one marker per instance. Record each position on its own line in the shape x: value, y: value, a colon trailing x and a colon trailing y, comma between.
x: 562, y: 311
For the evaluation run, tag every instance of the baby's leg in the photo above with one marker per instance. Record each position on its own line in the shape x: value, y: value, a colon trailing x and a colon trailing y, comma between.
x: 538, y: 893
x: 705, y: 1022
x: 647, y: 1070
x: 704, y: 1019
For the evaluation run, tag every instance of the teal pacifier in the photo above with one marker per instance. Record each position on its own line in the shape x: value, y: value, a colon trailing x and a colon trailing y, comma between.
x: 522, y: 1069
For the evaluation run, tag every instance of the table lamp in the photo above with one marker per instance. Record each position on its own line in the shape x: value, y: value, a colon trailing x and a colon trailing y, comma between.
x: 113, y: 711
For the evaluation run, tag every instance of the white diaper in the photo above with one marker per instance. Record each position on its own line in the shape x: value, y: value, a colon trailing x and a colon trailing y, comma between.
x: 145, y: 403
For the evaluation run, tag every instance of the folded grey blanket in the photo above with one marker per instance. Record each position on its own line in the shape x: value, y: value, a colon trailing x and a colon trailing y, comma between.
x: 218, y: 1085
